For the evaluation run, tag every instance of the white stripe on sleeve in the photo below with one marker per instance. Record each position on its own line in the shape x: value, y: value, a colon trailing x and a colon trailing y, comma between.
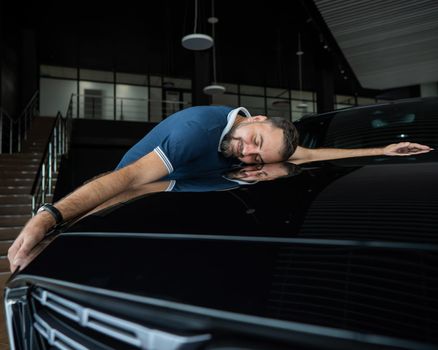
x: 164, y: 158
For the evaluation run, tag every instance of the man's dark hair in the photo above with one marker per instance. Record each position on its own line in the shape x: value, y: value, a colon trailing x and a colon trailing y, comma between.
x: 290, y: 134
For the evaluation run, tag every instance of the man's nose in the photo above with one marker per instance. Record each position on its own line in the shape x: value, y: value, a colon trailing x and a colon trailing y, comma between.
x: 248, y: 149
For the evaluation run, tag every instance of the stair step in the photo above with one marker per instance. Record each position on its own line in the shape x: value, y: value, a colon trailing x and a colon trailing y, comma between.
x: 4, y: 246
x: 8, y: 233
x: 17, y: 160
x: 20, y: 174
x: 17, y: 170
x: 23, y: 209
x: 19, y: 166
x: 16, y: 182
x: 15, y: 199
x: 19, y: 184
x: 28, y: 155
x: 13, y: 220
x: 15, y: 189
x: 4, y: 264
x: 3, y: 278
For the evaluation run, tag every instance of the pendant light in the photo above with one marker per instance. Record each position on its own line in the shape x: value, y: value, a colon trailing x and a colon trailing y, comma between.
x: 214, y: 88
x: 300, y: 53
x: 197, y: 41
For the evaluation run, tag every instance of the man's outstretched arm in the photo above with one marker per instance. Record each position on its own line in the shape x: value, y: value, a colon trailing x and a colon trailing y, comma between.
x: 147, y: 169
x: 305, y: 155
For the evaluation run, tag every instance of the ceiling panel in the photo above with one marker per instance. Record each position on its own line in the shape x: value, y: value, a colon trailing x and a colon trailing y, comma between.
x: 388, y: 43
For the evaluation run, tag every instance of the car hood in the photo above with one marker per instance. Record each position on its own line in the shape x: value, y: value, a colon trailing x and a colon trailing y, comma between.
x: 339, y: 245
x: 397, y: 201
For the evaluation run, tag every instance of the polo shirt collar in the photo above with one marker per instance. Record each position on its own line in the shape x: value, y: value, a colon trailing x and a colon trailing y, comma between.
x: 230, y: 121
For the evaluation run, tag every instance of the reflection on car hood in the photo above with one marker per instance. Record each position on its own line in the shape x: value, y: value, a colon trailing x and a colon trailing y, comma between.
x: 343, y: 246
x: 391, y: 202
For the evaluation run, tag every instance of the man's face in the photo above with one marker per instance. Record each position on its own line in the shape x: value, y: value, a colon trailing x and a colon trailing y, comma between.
x: 260, y: 172
x: 254, y: 142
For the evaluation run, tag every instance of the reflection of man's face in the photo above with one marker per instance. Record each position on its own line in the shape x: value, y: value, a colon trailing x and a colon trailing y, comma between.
x: 260, y: 172
x: 254, y: 143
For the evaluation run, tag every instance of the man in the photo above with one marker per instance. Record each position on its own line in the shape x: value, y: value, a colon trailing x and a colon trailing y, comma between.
x: 195, y: 140
x: 208, y: 138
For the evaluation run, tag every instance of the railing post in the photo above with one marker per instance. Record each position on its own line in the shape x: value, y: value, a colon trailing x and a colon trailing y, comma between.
x: 43, y: 183
x: 50, y: 167
x: 55, y: 147
x: 33, y: 205
x: 19, y: 136
x: 25, y: 125
x: 92, y: 107
x: 121, y: 109
x: 63, y: 136
x: 10, y: 136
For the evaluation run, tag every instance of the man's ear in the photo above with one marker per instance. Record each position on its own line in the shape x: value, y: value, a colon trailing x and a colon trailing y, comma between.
x: 257, y: 118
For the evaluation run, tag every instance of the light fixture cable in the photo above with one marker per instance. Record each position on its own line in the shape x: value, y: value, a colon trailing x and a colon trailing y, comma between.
x: 214, y: 42
x: 196, y: 16
x: 300, y: 76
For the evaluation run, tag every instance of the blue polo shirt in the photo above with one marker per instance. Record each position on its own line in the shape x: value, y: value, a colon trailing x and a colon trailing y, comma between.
x: 188, y: 142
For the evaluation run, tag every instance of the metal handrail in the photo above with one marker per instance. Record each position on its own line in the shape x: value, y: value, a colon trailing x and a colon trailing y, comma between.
x: 57, y: 145
x: 123, y: 108
x: 17, y: 127
x: 132, y: 99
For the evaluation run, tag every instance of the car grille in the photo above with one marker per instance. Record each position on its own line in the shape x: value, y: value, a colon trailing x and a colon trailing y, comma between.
x: 52, y: 306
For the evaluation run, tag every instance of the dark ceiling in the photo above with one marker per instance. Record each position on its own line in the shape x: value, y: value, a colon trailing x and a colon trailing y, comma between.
x: 256, y: 41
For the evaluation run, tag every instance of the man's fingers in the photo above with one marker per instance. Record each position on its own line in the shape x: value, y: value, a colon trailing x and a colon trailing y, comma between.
x: 13, y: 249
x: 28, y: 244
x: 419, y: 146
x: 410, y: 153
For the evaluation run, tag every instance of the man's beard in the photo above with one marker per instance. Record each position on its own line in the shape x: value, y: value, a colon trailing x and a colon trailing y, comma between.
x: 226, y: 148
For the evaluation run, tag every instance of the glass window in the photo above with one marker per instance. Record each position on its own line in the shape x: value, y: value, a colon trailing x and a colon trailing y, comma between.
x: 375, y: 126
x: 345, y: 100
x: 272, y: 92
x: 96, y: 75
x: 132, y: 103
x: 225, y: 100
x: 55, y: 96
x: 187, y: 99
x: 135, y: 79
x: 363, y: 101
x: 177, y: 83
x: 301, y: 108
x: 255, y: 105
x: 342, y: 106
x: 155, y: 104
x: 58, y: 72
x: 96, y: 100
x: 230, y: 88
x: 278, y: 107
x: 252, y: 90
x: 155, y: 80
x: 303, y: 95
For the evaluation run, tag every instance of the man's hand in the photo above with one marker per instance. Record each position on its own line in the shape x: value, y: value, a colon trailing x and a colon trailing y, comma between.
x: 405, y: 149
x: 30, y: 236
x: 147, y: 169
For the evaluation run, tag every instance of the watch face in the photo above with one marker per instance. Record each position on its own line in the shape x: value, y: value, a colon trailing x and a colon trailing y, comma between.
x: 42, y: 208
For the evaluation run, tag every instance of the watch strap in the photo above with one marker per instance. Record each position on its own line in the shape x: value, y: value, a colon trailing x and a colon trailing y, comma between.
x: 53, y: 211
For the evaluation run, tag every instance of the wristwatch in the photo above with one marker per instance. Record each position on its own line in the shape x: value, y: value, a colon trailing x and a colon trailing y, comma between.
x: 53, y: 211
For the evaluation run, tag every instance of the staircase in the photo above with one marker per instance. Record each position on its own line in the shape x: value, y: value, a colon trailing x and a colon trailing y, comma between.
x: 17, y: 174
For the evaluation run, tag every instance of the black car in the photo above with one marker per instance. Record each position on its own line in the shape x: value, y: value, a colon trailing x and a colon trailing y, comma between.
x: 336, y: 254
